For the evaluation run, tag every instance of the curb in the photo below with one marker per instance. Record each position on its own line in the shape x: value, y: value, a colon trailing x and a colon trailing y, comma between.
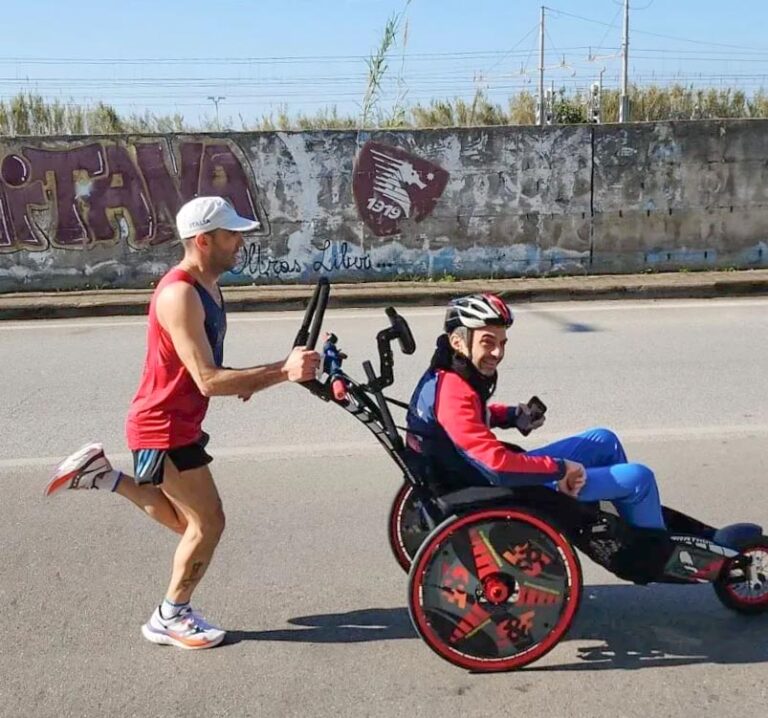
x: 103, y: 303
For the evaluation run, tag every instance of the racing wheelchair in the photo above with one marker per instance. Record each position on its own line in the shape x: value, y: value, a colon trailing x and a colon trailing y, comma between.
x: 494, y: 575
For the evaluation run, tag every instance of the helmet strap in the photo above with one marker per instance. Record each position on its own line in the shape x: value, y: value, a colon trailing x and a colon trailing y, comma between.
x: 470, y: 335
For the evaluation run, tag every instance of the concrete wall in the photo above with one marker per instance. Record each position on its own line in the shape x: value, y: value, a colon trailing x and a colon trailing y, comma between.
x: 97, y: 211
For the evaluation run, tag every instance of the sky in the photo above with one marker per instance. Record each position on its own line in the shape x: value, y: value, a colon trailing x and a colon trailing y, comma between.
x: 256, y: 58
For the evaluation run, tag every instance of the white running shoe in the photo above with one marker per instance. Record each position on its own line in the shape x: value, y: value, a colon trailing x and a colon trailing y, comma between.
x: 188, y: 630
x: 87, y: 468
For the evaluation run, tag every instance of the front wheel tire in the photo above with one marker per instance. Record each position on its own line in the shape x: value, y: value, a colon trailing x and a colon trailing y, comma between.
x: 742, y: 584
x: 494, y: 590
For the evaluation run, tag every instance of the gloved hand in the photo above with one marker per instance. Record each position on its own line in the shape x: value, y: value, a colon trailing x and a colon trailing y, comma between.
x: 525, y: 422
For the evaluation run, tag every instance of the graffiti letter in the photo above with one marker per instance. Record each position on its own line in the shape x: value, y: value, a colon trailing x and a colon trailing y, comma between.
x: 167, y: 193
x: 223, y: 175
x: 5, y: 236
x: 18, y: 197
x: 62, y: 166
x: 120, y: 194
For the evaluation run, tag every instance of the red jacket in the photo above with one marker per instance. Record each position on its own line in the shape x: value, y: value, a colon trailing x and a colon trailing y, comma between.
x: 449, y: 424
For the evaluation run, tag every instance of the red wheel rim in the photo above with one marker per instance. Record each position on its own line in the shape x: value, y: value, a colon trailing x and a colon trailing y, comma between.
x: 571, y: 602
x: 751, y: 600
x: 395, y: 527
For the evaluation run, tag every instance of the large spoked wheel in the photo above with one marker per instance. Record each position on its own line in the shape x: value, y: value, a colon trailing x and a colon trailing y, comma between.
x: 743, y: 582
x: 494, y: 590
x: 408, y: 526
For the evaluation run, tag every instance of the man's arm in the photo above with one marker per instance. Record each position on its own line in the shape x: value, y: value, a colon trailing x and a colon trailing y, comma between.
x: 180, y: 312
x: 458, y: 412
x: 503, y: 416
x: 514, y: 417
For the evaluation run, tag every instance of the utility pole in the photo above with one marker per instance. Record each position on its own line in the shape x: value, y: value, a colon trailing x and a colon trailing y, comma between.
x: 624, y: 105
x: 552, y: 103
x: 541, y: 118
x: 596, y: 100
x: 216, y: 101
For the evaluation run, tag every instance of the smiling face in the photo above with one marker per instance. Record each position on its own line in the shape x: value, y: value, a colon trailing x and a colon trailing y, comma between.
x: 488, y: 346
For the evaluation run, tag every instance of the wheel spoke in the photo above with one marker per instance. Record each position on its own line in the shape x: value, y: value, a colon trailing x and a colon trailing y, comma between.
x: 743, y: 586
x: 408, y: 526
x: 494, y: 592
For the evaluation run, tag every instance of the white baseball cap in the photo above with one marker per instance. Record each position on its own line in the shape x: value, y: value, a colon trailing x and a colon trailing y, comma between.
x: 204, y: 214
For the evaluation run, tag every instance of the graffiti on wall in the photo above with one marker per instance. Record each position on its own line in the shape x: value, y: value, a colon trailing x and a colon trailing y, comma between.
x: 518, y: 201
x: 112, y: 191
x: 257, y: 261
x: 391, y: 185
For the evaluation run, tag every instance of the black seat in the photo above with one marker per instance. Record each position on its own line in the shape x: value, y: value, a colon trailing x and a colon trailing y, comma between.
x: 452, y: 494
x: 473, y: 495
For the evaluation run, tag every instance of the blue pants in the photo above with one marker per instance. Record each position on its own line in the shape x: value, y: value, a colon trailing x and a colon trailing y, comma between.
x: 630, y: 487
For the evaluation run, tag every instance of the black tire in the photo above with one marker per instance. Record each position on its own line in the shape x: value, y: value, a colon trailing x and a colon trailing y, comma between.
x: 494, y: 590
x: 408, y: 527
x: 741, y: 588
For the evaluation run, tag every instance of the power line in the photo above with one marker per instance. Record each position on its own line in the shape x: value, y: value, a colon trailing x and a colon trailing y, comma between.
x: 277, y: 59
x: 514, y: 47
x: 460, y: 56
x: 498, y: 93
x: 612, y: 26
x: 258, y: 81
x: 653, y: 34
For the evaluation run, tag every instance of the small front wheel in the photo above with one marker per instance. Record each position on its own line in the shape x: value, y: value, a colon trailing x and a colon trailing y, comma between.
x: 408, y: 526
x: 742, y: 584
x: 494, y: 590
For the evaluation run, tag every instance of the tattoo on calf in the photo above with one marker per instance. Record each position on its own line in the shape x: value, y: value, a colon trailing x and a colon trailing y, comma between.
x: 194, y: 575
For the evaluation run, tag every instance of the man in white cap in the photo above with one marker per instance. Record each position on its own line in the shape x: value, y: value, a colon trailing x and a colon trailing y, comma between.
x: 172, y: 482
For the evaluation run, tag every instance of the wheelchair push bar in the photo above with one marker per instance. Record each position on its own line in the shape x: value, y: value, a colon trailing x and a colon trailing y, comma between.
x: 338, y: 386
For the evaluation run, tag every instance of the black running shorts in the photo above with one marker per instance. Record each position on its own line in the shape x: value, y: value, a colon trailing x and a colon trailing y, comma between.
x: 148, y: 463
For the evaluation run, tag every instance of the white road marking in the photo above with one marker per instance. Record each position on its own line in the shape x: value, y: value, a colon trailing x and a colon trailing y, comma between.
x: 354, y: 314
x: 364, y: 448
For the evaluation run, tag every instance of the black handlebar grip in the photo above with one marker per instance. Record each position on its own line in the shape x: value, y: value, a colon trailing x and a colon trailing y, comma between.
x: 303, y: 333
x: 402, y: 331
x: 317, y: 323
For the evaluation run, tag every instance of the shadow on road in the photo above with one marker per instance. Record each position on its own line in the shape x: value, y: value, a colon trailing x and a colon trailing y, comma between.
x: 633, y: 627
x: 564, y: 323
x: 627, y: 627
x: 372, y: 624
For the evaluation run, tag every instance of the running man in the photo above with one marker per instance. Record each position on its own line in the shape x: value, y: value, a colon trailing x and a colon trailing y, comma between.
x: 172, y: 481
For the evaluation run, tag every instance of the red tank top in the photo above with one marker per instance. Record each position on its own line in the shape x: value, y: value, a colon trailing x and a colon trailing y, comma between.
x: 168, y: 409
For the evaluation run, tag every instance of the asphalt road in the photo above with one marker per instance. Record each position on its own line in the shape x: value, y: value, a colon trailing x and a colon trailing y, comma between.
x: 303, y: 577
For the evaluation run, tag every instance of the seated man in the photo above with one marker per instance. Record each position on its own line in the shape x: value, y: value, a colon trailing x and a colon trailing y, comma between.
x: 450, y: 421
